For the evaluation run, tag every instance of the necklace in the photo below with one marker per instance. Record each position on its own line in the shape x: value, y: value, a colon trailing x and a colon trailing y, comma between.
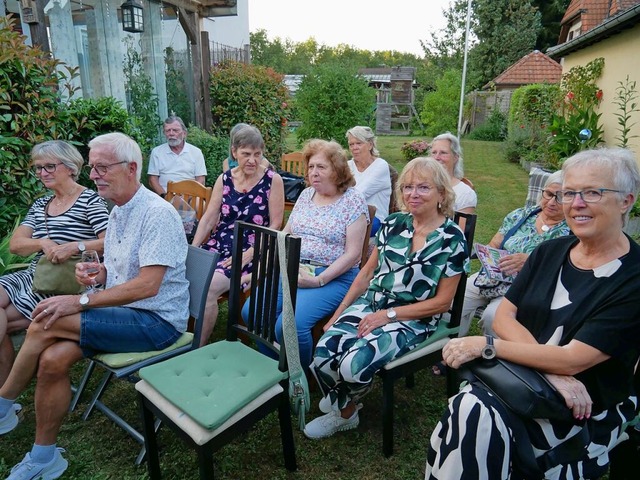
x: 545, y: 227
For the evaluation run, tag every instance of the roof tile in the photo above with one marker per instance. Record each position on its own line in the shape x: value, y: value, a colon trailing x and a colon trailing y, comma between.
x: 535, y: 67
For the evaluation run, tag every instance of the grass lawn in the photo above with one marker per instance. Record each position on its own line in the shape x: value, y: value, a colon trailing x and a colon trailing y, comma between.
x: 97, y: 449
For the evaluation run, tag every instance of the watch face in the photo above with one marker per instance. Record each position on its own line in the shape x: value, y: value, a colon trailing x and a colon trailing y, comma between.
x: 489, y: 352
x: 391, y: 314
x: 84, y: 299
x: 81, y: 247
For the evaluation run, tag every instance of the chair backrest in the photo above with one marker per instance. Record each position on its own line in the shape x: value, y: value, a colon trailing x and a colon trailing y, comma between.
x: 468, y: 182
x: 393, y: 201
x: 294, y: 163
x: 192, y: 192
x: 365, y: 246
x: 537, y: 179
x: 265, y: 280
x: 469, y: 221
x: 200, y: 267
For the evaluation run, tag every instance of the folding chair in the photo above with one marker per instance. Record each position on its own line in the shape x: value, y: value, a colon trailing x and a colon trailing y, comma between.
x: 200, y: 265
x: 429, y: 352
x: 212, y: 394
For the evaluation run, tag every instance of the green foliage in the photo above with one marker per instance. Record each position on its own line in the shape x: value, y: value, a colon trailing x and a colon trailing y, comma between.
x: 414, y: 149
x: 581, y: 98
x: 533, y: 105
x: 142, y: 101
x: 331, y: 100
x: 440, y: 108
x: 626, y: 95
x: 493, y: 130
x: 30, y: 112
x: 177, y: 97
x: 10, y: 261
x: 527, y: 142
x: 506, y: 31
x: 214, y: 149
x: 250, y: 94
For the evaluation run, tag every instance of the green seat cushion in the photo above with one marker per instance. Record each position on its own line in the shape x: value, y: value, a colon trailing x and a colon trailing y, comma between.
x: 212, y: 382
x: 442, y: 330
x: 119, y: 360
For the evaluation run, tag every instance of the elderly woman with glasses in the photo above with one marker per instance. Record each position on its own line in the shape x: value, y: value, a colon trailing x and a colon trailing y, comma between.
x: 572, y: 314
x: 66, y: 223
x: 394, y: 302
x: 522, y: 230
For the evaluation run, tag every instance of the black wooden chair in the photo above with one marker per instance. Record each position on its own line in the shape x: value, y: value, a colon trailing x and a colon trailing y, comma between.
x: 429, y: 353
x: 213, y: 394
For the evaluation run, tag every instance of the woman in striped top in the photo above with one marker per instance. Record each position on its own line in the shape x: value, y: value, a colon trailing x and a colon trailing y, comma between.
x: 76, y: 219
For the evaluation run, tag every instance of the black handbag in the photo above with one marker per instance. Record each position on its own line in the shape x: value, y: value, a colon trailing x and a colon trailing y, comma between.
x: 523, y: 390
x: 293, y: 185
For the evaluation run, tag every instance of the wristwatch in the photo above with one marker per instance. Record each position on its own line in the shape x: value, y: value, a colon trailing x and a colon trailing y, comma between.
x: 489, y: 350
x: 81, y: 247
x: 392, y: 315
x: 84, y: 300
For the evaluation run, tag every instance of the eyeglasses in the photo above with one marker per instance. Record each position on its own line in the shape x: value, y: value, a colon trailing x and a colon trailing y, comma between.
x: 592, y: 195
x: 49, y: 168
x: 549, y: 195
x: 421, y: 189
x: 103, y: 169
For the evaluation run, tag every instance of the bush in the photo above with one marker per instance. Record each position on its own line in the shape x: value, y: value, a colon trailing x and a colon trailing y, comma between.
x: 527, y: 143
x: 250, y: 94
x: 417, y: 148
x: 533, y: 104
x: 214, y: 149
x: 30, y: 112
x: 440, y: 108
x: 493, y: 130
x: 330, y: 101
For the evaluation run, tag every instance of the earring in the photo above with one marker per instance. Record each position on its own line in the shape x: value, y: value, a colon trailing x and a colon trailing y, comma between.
x: 439, y: 206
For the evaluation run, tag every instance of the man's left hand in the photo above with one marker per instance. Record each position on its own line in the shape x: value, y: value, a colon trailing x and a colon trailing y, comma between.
x: 50, y: 309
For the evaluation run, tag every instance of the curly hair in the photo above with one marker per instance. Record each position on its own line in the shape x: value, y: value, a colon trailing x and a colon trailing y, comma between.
x: 337, y: 157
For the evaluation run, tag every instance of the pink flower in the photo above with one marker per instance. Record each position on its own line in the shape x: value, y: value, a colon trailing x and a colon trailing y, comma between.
x: 258, y: 199
x: 284, y: 105
x: 251, y: 238
x: 225, y: 209
x: 225, y: 190
x: 257, y: 219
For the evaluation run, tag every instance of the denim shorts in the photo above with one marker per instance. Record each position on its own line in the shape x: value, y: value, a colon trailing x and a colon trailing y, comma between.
x: 122, y: 329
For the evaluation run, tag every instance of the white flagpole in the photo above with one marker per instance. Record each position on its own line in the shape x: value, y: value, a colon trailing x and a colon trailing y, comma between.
x: 464, y: 68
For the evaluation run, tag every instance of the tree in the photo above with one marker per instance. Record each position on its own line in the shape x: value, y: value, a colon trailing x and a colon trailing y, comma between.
x: 506, y: 31
x: 331, y: 100
x: 551, y: 13
x: 440, y: 108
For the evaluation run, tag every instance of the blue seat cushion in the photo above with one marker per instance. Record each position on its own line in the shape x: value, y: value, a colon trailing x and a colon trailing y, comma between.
x: 212, y: 382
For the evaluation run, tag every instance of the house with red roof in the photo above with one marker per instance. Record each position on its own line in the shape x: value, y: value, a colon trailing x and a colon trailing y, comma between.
x: 608, y: 29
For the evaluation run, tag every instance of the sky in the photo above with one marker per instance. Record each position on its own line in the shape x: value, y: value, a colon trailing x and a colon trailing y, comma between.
x: 364, y: 24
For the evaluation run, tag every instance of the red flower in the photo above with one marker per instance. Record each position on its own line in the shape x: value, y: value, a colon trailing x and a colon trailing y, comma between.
x: 570, y: 96
x: 599, y: 94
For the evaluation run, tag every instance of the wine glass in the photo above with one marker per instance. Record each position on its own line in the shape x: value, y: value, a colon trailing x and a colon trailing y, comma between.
x: 91, y: 262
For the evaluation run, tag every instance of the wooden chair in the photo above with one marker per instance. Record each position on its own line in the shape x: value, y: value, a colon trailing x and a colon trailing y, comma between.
x: 293, y: 163
x: 200, y: 266
x: 427, y: 354
x: 192, y: 192
x: 393, y: 200
x: 215, y: 393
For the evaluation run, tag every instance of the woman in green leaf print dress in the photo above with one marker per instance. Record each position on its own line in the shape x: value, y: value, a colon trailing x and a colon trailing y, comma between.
x: 394, y: 302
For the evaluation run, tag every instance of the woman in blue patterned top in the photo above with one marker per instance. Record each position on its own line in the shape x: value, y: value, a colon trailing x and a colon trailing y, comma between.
x: 542, y: 222
x: 76, y: 219
x: 394, y: 302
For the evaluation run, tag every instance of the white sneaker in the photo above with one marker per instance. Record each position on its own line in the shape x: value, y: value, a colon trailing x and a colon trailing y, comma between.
x: 9, y: 421
x: 328, y: 424
x: 27, y: 469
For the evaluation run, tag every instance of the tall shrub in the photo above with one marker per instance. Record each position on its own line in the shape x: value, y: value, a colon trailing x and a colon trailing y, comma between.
x: 250, y: 94
x: 330, y: 101
x: 440, y: 108
x: 30, y: 112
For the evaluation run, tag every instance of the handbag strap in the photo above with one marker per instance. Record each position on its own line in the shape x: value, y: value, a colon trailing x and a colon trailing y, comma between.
x: 289, y: 330
x: 46, y: 214
x: 518, y: 224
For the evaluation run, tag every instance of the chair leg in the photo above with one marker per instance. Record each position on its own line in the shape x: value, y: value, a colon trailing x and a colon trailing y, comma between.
x: 205, y: 461
x: 286, y: 433
x: 79, y: 390
x: 387, y: 416
x: 150, y: 439
x: 410, y: 380
x: 98, y: 393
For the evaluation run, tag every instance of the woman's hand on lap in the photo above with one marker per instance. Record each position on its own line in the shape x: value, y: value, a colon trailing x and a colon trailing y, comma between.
x: 513, y: 263
x: 574, y: 393
x: 372, y: 321
x: 462, y: 350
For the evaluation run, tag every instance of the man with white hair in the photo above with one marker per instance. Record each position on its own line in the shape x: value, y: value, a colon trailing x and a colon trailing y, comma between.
x: 144, y: 306
x: 176, y: 159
